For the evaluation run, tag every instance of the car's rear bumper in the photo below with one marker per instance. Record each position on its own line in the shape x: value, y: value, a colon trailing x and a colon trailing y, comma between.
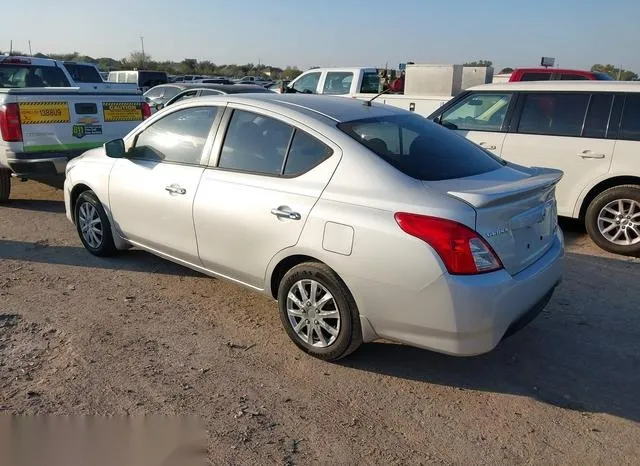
x: 466, y: 315
x: 40, y: 164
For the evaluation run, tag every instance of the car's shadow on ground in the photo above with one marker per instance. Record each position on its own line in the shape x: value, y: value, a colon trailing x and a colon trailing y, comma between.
x: 132, y: 260
x: 583, y: 351
x: 36, y: 205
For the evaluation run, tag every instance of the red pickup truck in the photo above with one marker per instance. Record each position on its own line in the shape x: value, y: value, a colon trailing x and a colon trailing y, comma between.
x: 546, y: 74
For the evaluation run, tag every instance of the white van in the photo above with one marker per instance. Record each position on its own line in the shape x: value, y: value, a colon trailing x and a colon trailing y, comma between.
x: 588, y: 129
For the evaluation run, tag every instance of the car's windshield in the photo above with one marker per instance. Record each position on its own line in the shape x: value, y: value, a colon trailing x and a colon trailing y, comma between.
x: 420, y: 148
x: 20, y: 75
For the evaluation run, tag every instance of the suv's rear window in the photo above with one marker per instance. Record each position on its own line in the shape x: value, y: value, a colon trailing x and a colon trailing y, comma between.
x: 19, y: 76
x: 419, y: 148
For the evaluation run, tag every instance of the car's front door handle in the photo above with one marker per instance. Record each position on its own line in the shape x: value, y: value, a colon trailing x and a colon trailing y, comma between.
x: 280, y: 212
x: 587, y: 154
x: 175, y: 189
x: 487, y: 146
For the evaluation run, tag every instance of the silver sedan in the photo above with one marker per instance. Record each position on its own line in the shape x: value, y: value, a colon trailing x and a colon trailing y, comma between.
x: 363, y: 221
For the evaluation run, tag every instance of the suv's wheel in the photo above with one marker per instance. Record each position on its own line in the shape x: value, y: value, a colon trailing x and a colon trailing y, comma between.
x: 93, y: 225
x: 613, y: 220
x: 318, y: 311
x: 5, y: 184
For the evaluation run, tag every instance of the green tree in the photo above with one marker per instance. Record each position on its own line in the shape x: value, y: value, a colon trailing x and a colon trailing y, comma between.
x: 506, y: 70
x: 479, y: 63
x: 189, y: 66
x: 615, y: 73
x: 136, y: 60
x: 290, y: 73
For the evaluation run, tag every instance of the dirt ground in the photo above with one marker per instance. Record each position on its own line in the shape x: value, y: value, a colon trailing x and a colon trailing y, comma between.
x: 135, y: 334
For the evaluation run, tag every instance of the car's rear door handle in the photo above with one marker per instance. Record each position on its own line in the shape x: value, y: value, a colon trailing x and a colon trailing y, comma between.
x: 284, y: 212
x: 587, y: 154
x: 487, y: 146
x: 175, y: 189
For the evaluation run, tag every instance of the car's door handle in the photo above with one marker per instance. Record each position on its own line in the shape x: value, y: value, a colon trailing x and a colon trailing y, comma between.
x: 587, y: 154
x: 280, y: 212
x: 487, y: 146
x: 175, y: 189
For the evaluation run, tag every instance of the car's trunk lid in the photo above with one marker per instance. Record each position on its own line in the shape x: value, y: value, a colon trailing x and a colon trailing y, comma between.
x: 515, y: 210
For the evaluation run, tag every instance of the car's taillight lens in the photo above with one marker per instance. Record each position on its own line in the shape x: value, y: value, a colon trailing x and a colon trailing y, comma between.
x: 10, y: 123
x: 461, y: 249
x: 146, y: 110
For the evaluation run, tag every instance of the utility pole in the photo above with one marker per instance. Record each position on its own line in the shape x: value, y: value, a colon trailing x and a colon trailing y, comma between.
x: 142, y: 43
x: 619, y: 72
x: 10, y: 47
x: 30, y: 48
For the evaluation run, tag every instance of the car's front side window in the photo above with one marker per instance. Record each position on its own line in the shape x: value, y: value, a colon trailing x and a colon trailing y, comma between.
x: 255, y: 144
x: 478, y: 112
x: 178, y: 137
x: 307, y: 83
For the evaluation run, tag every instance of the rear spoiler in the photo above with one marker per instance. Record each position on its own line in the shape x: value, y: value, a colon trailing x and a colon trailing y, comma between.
x: 542, y: 179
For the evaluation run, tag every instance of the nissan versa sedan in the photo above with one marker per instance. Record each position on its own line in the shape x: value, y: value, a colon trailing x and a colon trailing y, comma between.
x: 364, y: 221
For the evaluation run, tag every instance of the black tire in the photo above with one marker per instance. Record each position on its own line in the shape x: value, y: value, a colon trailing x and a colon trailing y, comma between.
x: 5, y: 184
x: 630, y: 192
x: 106, y: 247
x: 349, y: 336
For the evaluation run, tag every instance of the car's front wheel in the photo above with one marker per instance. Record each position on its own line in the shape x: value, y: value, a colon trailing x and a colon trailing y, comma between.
x: 93, y: 225
x: 318, y: 312
x: 613, y: 220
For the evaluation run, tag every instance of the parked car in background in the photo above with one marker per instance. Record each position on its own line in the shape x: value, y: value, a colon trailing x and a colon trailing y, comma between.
x: 46, y: 118
x: 279, y: 85
x: 215, y: 81
x: 199, y: 90
x: 556, y: 74
x: 161, y: 96
x: 144, y: 80
x: 254, y: 80
x: 364, y: 222
x: 589, y: 130
x: 188, y: 78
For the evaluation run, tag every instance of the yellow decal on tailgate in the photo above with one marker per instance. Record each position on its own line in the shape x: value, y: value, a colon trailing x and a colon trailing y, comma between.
x: 38, y: 113
x: 122, y: 111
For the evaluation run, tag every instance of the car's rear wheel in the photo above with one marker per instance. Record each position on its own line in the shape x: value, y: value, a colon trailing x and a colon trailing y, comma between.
x: 318, y: 312
x: 613, y: 220
x: 5, y: 184
x: 93, y: 225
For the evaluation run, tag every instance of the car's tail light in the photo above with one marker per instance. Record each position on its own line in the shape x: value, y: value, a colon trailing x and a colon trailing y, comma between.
x: 10, y: 123
x: 146, y: 110
x: 461, y: 249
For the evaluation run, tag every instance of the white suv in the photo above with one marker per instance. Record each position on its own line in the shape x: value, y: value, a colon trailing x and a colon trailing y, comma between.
x: 589, y: 130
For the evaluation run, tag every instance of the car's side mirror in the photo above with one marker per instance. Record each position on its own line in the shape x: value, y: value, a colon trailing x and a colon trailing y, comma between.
x: 159, y: 106
x: 115, y: 149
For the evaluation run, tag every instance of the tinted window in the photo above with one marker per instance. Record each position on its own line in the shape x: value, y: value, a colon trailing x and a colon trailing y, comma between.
x: 178, y: 137
x: 370, y: 83
x: 603, y: 77
x: 535, y: 77
x: 209, y: 92
x: 305, y: 153
x: 18, y: 76
x: 478, y: 112
x: 83, y: 73
x: 553, y: 114
x: 419, y: 148
x: 337, y: 83
x: 151, y: 78
x: 630, y: 125
x: 595, y: 125
x: 255, y: 144
x: 572, y: 77
x: 307, y: 83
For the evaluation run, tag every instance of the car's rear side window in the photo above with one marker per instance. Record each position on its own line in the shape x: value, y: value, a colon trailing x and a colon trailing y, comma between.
x: 419, y: 148
x: 535, y: 77
x: 595, y: 125
x: 305, y: 153
x: 630, y: 124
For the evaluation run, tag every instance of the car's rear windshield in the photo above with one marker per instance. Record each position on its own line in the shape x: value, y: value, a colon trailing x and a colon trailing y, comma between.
x: 421, y: 149
x: 83, y: 73
x: 15, y: 75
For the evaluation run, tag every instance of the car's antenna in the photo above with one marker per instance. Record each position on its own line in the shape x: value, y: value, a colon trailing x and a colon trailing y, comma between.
x: 367, y: 103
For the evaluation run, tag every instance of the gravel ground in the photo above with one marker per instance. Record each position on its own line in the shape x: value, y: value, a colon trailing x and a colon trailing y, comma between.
x: 135, y: 334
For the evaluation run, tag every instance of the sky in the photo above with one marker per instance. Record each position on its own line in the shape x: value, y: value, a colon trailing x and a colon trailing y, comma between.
x: 307, y: 33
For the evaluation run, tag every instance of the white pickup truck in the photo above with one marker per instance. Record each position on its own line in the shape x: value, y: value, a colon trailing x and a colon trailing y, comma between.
x: 362, y: 83
x: 46, y: 118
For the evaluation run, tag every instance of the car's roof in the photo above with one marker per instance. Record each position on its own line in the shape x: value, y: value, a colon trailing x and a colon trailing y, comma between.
x: 317, y: 107
x: 586, y: 86
x: 553, y: 70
